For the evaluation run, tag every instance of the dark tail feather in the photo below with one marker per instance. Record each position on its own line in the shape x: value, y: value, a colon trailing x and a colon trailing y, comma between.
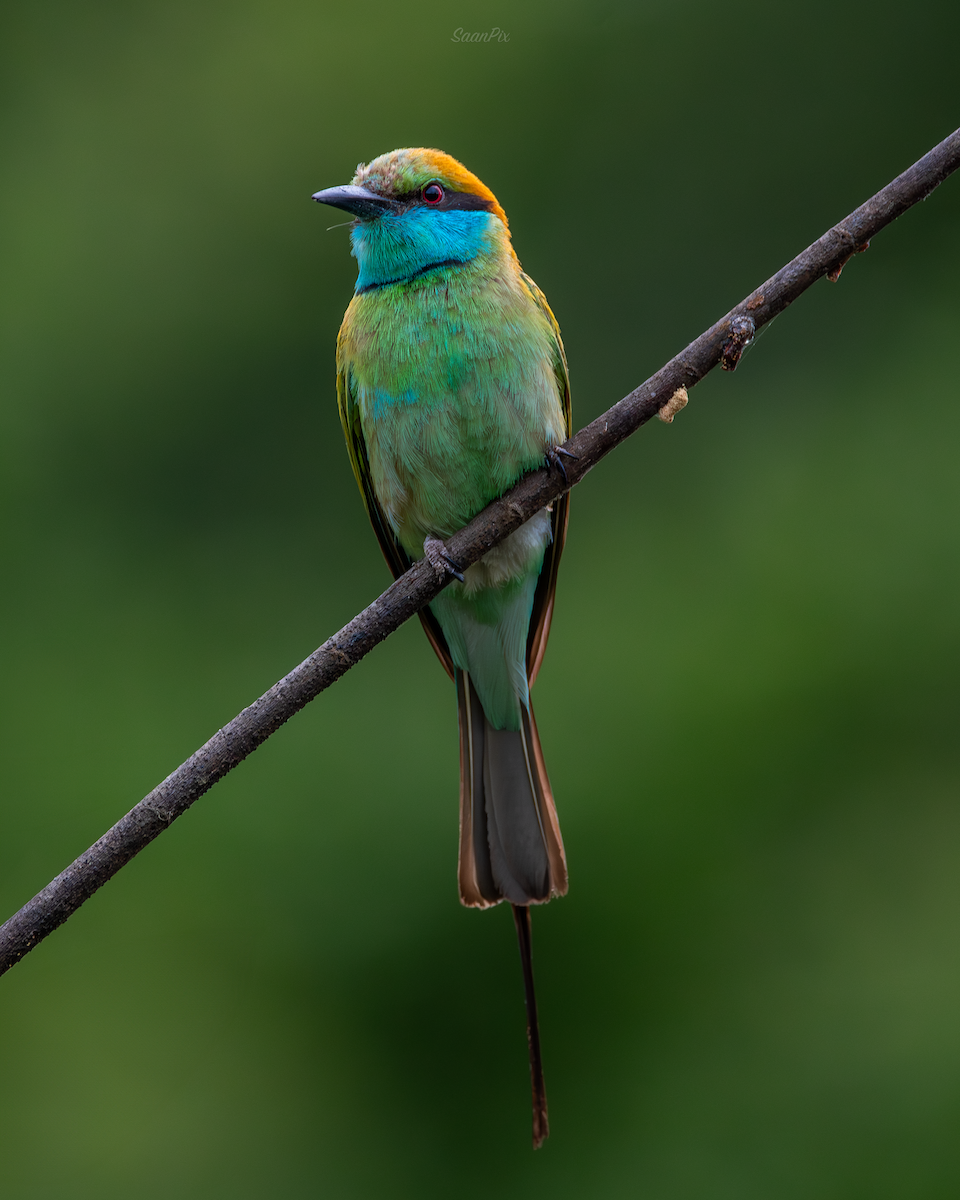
x: 510, y: 846
x: 541, y: 1126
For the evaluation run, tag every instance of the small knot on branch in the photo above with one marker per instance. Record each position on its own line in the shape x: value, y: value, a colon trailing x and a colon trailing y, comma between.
x: 341, y: 656
x: 674, y: 405
x: 740, y: 336
x: 859, y: 248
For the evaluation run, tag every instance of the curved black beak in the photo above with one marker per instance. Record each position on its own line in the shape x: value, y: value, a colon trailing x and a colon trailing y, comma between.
x: 356, y: 200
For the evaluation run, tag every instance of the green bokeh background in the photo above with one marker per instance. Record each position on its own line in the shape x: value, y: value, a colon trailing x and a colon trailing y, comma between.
x: 749, y: 706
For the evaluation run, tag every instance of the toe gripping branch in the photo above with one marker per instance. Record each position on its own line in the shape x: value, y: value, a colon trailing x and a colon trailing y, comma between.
x: 436, y: 555
x: 554, y: 458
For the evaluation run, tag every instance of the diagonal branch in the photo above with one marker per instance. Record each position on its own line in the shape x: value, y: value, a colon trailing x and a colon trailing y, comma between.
x: 723, y: 343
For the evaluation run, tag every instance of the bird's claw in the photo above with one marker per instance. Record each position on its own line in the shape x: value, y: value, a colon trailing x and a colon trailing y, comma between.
x: 436, y: 555
x: 555, y: 456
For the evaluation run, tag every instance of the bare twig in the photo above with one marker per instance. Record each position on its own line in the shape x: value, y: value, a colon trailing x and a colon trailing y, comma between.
x: 723, y: 343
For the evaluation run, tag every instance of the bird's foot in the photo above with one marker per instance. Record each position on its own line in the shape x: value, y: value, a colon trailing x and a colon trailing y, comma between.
x: 436, y: 555
x: 554, y: 458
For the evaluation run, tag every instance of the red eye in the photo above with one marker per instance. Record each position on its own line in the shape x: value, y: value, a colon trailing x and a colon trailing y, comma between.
x: 432, y: 193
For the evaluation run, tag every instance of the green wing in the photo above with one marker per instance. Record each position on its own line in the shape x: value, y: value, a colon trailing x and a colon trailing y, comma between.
x: 397, y: 558
x: 560, y: 509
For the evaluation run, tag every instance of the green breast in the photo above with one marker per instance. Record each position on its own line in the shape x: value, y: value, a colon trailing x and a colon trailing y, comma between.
x: 454, y: 376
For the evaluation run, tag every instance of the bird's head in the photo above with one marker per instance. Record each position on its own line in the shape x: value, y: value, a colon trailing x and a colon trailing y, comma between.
x: 416, y: 209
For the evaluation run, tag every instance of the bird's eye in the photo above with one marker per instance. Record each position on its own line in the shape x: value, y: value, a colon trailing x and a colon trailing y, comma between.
x: 432, y: 193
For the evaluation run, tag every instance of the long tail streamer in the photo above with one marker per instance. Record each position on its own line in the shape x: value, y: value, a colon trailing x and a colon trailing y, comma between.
x: 541, y: 1126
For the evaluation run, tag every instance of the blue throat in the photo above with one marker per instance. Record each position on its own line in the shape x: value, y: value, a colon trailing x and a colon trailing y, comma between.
x: 399, y: 246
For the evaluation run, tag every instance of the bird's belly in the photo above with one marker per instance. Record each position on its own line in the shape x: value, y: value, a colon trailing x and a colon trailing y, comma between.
x: 434, y: 465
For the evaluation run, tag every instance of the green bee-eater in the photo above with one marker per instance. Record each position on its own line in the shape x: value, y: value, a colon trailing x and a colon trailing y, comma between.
x: 452, y: 382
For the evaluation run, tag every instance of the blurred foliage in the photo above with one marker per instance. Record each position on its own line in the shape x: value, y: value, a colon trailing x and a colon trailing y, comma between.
x: 749, y: 706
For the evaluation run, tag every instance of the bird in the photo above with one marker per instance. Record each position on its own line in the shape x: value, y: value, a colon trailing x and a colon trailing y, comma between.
x: 452, y: 382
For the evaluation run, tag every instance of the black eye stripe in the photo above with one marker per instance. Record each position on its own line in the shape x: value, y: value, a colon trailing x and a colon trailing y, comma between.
x: 451, y: 199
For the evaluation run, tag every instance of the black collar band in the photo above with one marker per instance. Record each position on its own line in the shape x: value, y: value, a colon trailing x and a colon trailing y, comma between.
x: 445, y: 262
